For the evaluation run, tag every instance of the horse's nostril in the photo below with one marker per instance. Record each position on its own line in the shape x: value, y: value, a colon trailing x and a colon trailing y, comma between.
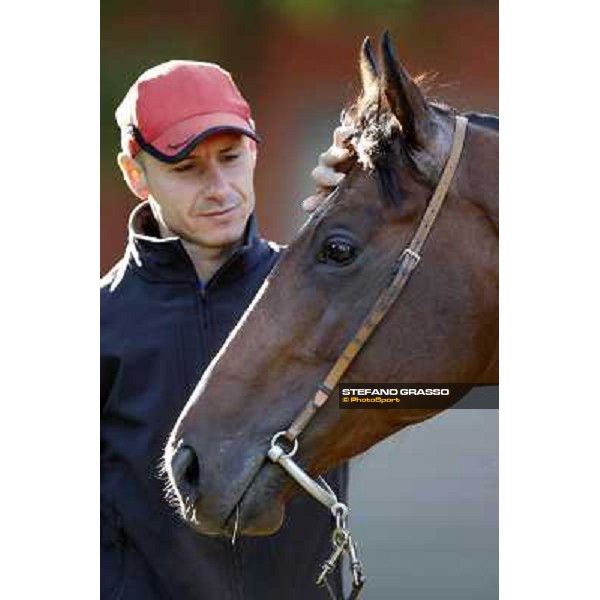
x: 186, y: 468
x: 192, y: 473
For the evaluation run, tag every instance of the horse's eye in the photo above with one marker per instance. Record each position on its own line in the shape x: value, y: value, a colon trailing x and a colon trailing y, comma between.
x: 337, y: 250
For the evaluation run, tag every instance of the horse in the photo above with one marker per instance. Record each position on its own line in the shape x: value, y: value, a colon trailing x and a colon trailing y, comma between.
x: 442, y: 328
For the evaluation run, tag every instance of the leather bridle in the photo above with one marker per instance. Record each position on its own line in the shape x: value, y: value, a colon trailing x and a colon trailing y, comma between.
x: 404, y: 267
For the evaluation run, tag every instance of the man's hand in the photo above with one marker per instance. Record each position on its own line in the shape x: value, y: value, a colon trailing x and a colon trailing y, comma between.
x: 332, y: 167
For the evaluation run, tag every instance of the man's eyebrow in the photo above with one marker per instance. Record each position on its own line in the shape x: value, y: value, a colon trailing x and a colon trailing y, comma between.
x: 228, y: 148
x: 231, y: 147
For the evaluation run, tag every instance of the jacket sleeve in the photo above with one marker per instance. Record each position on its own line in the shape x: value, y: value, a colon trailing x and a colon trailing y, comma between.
x: 109, y: 354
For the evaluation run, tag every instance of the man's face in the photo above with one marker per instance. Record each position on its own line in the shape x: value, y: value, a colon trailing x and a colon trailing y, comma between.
x: 207, y: 198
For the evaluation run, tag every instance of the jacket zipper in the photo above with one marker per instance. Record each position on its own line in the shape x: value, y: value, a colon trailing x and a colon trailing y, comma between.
x: 236, y: 561
x: 203, y: 316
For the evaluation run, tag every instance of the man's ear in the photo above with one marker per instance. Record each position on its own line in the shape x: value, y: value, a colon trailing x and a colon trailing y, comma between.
x: 134, y: 175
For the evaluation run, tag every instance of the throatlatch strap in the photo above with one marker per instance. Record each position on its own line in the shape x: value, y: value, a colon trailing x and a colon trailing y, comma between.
x: 407, y: 262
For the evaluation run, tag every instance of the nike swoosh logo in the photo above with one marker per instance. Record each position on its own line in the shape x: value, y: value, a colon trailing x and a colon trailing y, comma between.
x: 175, y: 146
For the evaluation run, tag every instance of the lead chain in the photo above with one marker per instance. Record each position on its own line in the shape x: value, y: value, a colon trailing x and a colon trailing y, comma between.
x: 342, y: 543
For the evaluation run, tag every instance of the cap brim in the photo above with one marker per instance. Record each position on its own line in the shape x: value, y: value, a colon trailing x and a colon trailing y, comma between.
x: 180, y: 139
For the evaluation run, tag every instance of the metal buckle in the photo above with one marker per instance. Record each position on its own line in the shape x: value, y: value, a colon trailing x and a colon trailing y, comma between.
x: 416, y: 257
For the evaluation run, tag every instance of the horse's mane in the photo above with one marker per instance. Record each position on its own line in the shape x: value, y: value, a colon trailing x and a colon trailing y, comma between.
x: 484, y: 120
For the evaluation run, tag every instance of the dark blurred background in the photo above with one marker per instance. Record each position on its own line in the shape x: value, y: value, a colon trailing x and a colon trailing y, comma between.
x: 295, y: 61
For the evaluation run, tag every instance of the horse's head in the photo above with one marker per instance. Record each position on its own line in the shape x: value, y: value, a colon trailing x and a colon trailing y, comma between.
x: 443, y: 328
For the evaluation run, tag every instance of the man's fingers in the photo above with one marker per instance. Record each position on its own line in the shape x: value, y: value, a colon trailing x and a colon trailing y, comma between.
x: 312, y: 202
x: 325, y: 176
x: 334, y: 155
x: 342, y: 134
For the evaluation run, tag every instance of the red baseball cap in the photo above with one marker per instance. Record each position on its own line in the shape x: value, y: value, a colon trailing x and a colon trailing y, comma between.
x: 175, y: 105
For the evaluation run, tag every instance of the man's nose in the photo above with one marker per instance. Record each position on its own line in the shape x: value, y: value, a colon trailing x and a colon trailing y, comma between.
x: 216, y: 184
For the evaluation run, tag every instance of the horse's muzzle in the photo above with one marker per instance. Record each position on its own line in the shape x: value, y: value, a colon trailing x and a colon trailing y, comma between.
x: 215, y: 508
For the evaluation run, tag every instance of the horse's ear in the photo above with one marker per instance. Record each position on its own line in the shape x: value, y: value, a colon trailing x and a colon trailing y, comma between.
x: 404, y: 96
x: 368, y: 66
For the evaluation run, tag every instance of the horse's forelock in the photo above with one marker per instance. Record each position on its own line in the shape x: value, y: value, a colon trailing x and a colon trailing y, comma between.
x: 376, y: 132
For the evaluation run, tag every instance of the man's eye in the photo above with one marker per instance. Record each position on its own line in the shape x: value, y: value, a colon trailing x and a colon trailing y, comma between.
x: 337, y: 250
x: 230, y: 157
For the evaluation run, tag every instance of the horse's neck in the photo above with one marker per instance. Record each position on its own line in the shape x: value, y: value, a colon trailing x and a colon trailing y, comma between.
x: 477, y: 181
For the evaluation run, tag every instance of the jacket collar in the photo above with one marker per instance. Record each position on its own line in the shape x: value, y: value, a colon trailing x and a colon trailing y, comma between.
x: 165, y: 260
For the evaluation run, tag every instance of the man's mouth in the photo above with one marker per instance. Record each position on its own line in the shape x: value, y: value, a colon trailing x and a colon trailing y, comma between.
x: 218, y: 213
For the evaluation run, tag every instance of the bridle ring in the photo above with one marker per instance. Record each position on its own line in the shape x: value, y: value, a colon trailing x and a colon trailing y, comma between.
x: 274, y: 443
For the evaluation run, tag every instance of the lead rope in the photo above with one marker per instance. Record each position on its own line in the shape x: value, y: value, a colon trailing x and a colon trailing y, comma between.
x: 406, y: 263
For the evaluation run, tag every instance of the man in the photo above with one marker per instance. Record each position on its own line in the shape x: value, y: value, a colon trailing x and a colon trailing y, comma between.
x: 193, y: 262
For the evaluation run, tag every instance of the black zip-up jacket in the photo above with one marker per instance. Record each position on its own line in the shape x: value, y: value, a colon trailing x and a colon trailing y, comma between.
x: 160, y: 328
